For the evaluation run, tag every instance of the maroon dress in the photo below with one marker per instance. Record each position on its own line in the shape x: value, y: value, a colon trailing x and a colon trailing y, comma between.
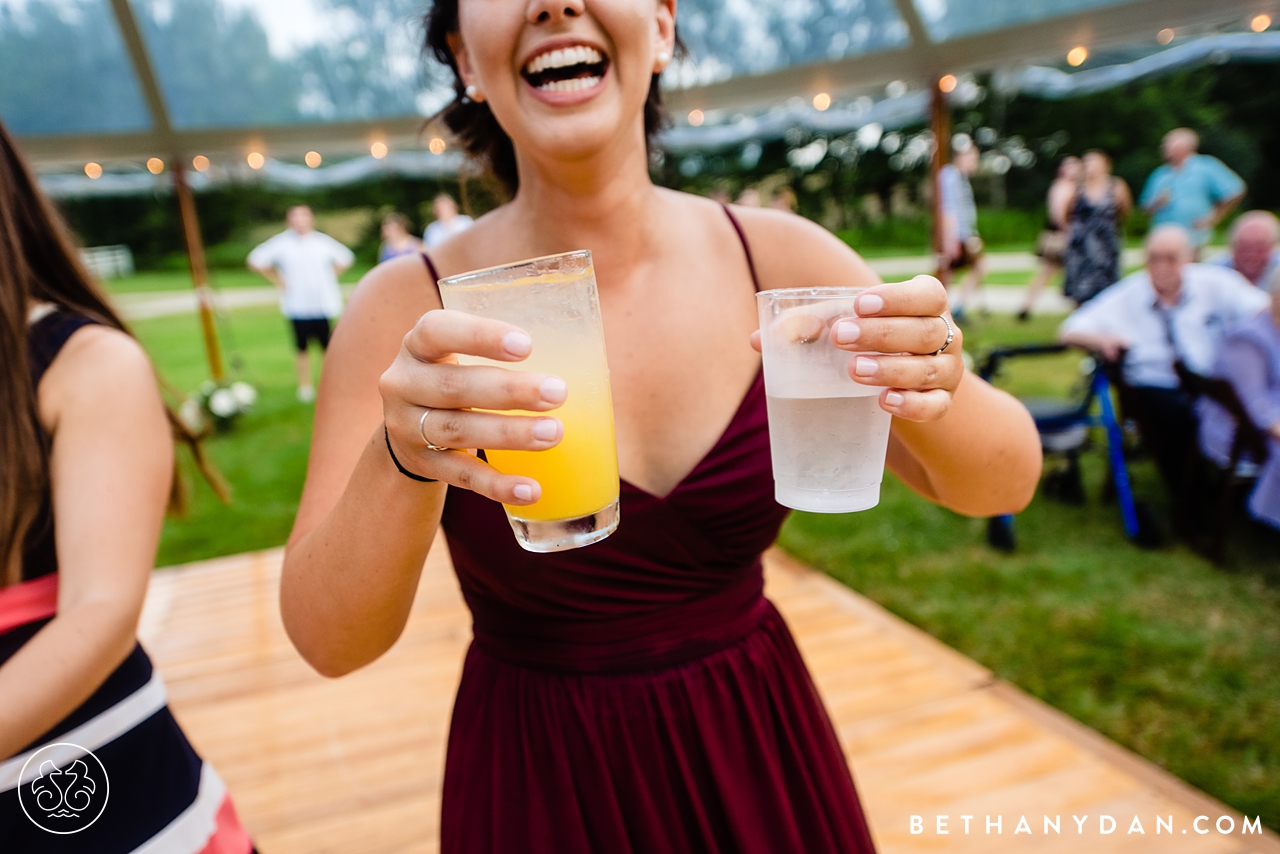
x: 640, y: 694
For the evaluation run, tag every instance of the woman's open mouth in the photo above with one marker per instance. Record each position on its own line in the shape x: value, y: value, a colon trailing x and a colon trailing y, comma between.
x: 567, y: 69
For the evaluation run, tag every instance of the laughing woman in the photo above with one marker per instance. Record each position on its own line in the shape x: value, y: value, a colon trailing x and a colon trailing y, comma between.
x: 639, y: 694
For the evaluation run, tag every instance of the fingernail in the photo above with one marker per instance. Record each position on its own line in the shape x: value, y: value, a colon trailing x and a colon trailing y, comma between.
x: 847, y: 332
x: 546, y: 429
x: 517, y: 343
x: 554, y: 390
x: 870, y: 304
x: 894, y: 398
x: 523, y: 492
x: 864, y: 367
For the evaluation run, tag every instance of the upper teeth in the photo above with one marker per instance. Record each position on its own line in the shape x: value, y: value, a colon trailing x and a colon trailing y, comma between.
x: 580, y: 55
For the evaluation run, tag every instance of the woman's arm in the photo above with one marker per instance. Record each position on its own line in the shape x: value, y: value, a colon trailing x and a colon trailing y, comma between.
x: 110, y: 468
x: 1124, y: 203
x: 956, y: 440
x: 364, y: 529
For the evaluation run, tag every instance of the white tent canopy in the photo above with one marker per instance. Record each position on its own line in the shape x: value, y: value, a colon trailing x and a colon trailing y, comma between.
x: 122, y: 81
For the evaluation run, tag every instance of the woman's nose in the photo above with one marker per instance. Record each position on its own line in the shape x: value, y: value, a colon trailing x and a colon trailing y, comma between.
x: 549, y: 11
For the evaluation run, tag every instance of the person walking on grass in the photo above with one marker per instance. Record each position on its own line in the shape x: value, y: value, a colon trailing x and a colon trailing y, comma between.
x: 1051, y: 247
x: 304, y: 264
x: 961, y: 244
x: 1096, y: 209
x: 1192, y: 190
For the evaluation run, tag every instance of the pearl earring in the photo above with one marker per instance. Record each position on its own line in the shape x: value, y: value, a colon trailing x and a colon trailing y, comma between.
x: 663, y: 59
x: 473, y: 94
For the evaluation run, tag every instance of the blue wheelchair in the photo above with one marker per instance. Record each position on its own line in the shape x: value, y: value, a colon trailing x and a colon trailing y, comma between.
x: 1064, y: 425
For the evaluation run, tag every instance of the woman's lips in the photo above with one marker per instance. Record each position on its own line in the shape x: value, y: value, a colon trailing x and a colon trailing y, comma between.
x: 567, y: 93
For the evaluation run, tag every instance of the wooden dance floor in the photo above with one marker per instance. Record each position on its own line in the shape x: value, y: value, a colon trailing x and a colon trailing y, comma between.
x: 354, y: 765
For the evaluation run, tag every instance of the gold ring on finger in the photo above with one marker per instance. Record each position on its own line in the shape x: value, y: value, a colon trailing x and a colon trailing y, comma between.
x: 422, y: 431
x: 951, y: 334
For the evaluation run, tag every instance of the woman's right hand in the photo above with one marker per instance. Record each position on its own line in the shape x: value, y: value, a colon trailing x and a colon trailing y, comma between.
x: 426, y: 378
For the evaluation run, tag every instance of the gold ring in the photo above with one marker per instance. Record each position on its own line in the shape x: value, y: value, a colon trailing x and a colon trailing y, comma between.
x: 422, y: 431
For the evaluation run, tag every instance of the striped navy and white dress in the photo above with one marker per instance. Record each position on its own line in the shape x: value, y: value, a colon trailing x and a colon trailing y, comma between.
x: 158, y: 797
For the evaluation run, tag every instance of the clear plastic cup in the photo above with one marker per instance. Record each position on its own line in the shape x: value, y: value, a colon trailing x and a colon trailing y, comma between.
x: 555, y: 300
x: 827, y: 434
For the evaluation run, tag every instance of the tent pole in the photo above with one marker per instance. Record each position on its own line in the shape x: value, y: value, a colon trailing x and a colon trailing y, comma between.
x: 199, y: 269
x: 940, y: 122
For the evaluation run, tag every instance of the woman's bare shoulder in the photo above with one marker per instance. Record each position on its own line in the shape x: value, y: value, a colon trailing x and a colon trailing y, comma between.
x: 393, y: 293
x: 790, y: 251
x: 100, y: 363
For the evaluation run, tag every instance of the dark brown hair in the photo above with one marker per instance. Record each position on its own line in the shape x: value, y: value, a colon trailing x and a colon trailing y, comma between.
x: 474, y: 123
x: 39, y: 263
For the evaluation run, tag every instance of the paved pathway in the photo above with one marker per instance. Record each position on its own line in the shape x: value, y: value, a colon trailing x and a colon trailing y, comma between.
x: 355, y: 764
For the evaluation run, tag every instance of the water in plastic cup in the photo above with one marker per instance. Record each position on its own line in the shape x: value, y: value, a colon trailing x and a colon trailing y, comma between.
x: 554, y: 299
x: 827, y: 434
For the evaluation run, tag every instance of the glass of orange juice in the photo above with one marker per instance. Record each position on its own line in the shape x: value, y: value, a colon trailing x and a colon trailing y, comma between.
x: 555, y: 300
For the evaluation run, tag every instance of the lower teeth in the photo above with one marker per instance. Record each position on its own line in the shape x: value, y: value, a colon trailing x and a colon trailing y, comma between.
x: 574, y: 85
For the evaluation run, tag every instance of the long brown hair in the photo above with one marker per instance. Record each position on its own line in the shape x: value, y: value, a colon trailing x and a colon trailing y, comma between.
x: 40, y: 263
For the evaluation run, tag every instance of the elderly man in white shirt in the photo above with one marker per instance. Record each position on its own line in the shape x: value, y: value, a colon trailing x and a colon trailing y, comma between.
x: 1171, y: 311
x: 304, y: 264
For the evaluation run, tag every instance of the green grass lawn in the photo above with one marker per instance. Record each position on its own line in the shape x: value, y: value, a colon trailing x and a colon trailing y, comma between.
x: 168, y: 280
x: 1160, y: 651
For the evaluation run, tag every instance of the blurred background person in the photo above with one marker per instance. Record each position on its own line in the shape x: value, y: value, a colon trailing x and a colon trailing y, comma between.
x: 448, y: 221
x: 1250, y: 361
x: 1173, y: 310
x: 1051, y: 247
x: 396, y: 239
x: 1255, y: 247
x: 961, y: 242
x: 305, y: 265
x: 784, y: 199
x: 749, y: 198
x: 86, y: 473
x: 1192, y: 190
x: 1097, y: 208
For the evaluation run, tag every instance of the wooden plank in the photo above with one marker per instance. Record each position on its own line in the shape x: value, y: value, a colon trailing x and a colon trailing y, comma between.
x: 355, y: 764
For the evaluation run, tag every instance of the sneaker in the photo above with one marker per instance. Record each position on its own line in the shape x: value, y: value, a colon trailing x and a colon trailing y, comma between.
x: 306, y: 394
x: 1024, y: 315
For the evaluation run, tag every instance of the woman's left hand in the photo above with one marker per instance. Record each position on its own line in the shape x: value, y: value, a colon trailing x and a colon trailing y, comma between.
x: 904, y: 319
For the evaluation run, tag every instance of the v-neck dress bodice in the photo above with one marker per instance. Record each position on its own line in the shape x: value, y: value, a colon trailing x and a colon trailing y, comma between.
x: 641, y: 694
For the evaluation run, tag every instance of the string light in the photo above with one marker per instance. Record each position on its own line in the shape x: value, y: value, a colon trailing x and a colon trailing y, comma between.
x: 155, y: 165
x: 1260, y: 23
x: 313, y: 159
x: 1077, y: 55
x: 821, y: 101
x: 436, y: 145
x: 378, y: 150
x: 256, y: 160
x: 200, y: 163
x: 1165, y: 36
x: 93, y: 170
x: 948, y: 83
x: 696, y: 118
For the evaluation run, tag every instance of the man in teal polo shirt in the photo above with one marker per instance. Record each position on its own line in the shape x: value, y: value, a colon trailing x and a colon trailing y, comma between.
x: 1192, y: 190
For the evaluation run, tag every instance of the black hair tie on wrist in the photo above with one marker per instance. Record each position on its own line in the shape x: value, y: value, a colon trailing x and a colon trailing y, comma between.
x: 404, y: 471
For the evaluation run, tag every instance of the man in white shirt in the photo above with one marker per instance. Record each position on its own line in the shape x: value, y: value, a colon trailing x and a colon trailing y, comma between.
x: 304, y: 264
x: 1171, y: 311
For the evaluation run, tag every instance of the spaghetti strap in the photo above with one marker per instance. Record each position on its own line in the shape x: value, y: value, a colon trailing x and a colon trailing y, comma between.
x: 431, y: 270
x: 746, y: 247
